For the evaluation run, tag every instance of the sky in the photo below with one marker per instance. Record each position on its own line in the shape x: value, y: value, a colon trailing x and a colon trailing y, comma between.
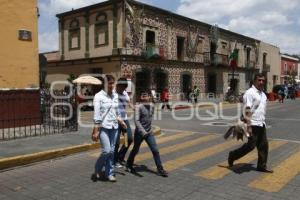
x: 273, y: 21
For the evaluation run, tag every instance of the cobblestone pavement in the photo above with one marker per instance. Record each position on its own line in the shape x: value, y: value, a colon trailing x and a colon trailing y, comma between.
x: 197, y: 170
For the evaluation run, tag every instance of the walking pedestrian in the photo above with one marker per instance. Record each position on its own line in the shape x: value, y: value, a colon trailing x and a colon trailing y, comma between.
x: 124, y: 101
x: 188, y: 94
x: 196, y: 94
x: 143, y: 120
x: 107, y: 120
x: 255, y: 102
x: 165, y: 96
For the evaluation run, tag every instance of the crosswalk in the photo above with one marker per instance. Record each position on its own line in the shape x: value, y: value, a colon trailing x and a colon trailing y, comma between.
x: 197, y: 147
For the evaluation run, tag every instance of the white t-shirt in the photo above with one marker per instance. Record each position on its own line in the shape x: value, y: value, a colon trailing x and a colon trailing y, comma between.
x: 257, y: 101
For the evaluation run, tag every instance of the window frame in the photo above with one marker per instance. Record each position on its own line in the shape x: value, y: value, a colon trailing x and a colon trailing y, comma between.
x: 74, y: 29
x: 98, y: 25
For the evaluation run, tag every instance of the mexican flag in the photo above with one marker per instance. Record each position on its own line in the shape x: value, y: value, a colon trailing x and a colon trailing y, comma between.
x: 233, y: 58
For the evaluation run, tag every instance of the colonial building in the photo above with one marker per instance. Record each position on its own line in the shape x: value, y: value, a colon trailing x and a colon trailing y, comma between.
x: 289, y: 68
x: 154, y: 48
x: 269, y: 64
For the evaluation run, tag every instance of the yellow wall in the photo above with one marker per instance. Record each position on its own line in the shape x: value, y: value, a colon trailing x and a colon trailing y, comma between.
x: 19, y: 67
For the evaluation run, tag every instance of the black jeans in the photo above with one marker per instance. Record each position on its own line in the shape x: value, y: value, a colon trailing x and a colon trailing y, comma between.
x: 150, y: 140
x: 166, y: 103
x: 258, y: 140
x: 120, y: 154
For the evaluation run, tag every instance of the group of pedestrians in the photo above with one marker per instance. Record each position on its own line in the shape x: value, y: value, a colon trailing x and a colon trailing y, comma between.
x: 111, y: 121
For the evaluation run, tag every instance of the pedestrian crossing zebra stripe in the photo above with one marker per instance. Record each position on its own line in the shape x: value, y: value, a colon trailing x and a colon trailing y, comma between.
x: 177, y: 147
x: 283, y: 174
x: 160, y: 140
x: 221, y: 170
x: 199, y: 155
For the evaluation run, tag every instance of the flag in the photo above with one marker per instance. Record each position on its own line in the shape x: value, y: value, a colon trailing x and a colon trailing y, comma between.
x: 233, y: 57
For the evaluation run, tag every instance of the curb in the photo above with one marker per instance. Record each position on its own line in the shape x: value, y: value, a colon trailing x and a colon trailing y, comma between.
x: 15, y: 161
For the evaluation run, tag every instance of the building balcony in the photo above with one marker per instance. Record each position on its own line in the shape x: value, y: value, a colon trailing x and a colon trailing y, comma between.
x: 153, y: 51
x: 266, y: 68
x: 250, y: 64
x: 215, y: 59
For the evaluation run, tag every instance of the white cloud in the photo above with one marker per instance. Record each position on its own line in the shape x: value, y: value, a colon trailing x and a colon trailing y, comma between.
x: 272, y: 21
x: 48, y: 41
x: 53, y: 7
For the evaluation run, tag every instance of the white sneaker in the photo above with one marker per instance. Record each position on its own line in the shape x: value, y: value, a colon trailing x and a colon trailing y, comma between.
x: 118, y: 166
x: 112, y: 179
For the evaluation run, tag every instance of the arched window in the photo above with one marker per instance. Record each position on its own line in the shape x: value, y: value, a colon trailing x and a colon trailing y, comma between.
x: 74, y: 35
x: 101, y: 30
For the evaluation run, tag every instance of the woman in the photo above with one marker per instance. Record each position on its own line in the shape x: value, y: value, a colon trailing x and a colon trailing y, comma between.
x: 106, y: 118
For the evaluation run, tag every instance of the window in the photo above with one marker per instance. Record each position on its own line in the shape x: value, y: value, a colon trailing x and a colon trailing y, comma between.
x: 224, y: 45
x: 150, y: 37
x: 264, y: 59
x: 224, y: 49
x: 285, y: 68
x: 200, y: 47
x: 74, y: 35
x: 101, y: 30
x: 180, y: 48
x: 248, y: 55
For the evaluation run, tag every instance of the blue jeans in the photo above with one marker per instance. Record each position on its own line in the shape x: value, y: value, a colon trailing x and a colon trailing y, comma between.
x: 120, y: 155
x: 108, y: 139
x: 150, y: 140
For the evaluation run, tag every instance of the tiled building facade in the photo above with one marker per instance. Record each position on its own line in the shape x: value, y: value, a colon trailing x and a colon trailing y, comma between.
x: 154, y: 48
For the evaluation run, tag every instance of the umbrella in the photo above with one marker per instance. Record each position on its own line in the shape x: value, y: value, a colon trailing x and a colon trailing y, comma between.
x: 87, y: 80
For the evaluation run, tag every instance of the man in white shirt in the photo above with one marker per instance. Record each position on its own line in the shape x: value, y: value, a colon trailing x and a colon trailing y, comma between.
x: 255, y: 102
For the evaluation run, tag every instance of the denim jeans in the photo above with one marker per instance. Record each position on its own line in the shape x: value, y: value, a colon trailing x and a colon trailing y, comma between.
x: 108, y: 139
x: 150, y: 140
x: 120, y: 154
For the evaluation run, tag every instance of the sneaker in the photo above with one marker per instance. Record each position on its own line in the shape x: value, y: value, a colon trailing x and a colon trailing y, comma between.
x: 112, y: 179
x: 130, y: 169
x: 95, y: 177
x: 162, y: 172
x: 118, y: 165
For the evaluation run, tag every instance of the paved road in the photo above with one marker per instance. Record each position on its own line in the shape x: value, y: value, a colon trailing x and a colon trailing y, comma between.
x: 283, y: 120
x: 193, y: 153
x: 197, y: 166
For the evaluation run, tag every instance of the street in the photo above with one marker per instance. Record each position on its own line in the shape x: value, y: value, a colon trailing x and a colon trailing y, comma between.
x: 193, y: 152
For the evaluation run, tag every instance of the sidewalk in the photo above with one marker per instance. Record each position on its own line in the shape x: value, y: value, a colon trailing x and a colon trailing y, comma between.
x: 35, y: 149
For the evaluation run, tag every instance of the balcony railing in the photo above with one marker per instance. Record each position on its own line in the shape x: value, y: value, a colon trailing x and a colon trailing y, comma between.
x: 266, y: 68
x: 153, y: 51
x: 250, y: 64
x: 215, y: 59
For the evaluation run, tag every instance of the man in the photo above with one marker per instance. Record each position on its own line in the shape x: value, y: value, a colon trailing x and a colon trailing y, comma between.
x: 255, y: 102
x: 124, y: 100
x: 196, y: 94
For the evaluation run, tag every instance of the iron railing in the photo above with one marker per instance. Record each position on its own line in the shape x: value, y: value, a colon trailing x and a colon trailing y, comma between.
x: 35, y: 113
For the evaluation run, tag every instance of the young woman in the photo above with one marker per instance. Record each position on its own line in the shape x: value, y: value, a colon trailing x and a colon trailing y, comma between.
x: 107, y: 120
x: 143, y: 119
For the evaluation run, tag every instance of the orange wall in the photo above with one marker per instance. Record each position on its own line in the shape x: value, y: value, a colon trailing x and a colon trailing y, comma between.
x: 19, y: 67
